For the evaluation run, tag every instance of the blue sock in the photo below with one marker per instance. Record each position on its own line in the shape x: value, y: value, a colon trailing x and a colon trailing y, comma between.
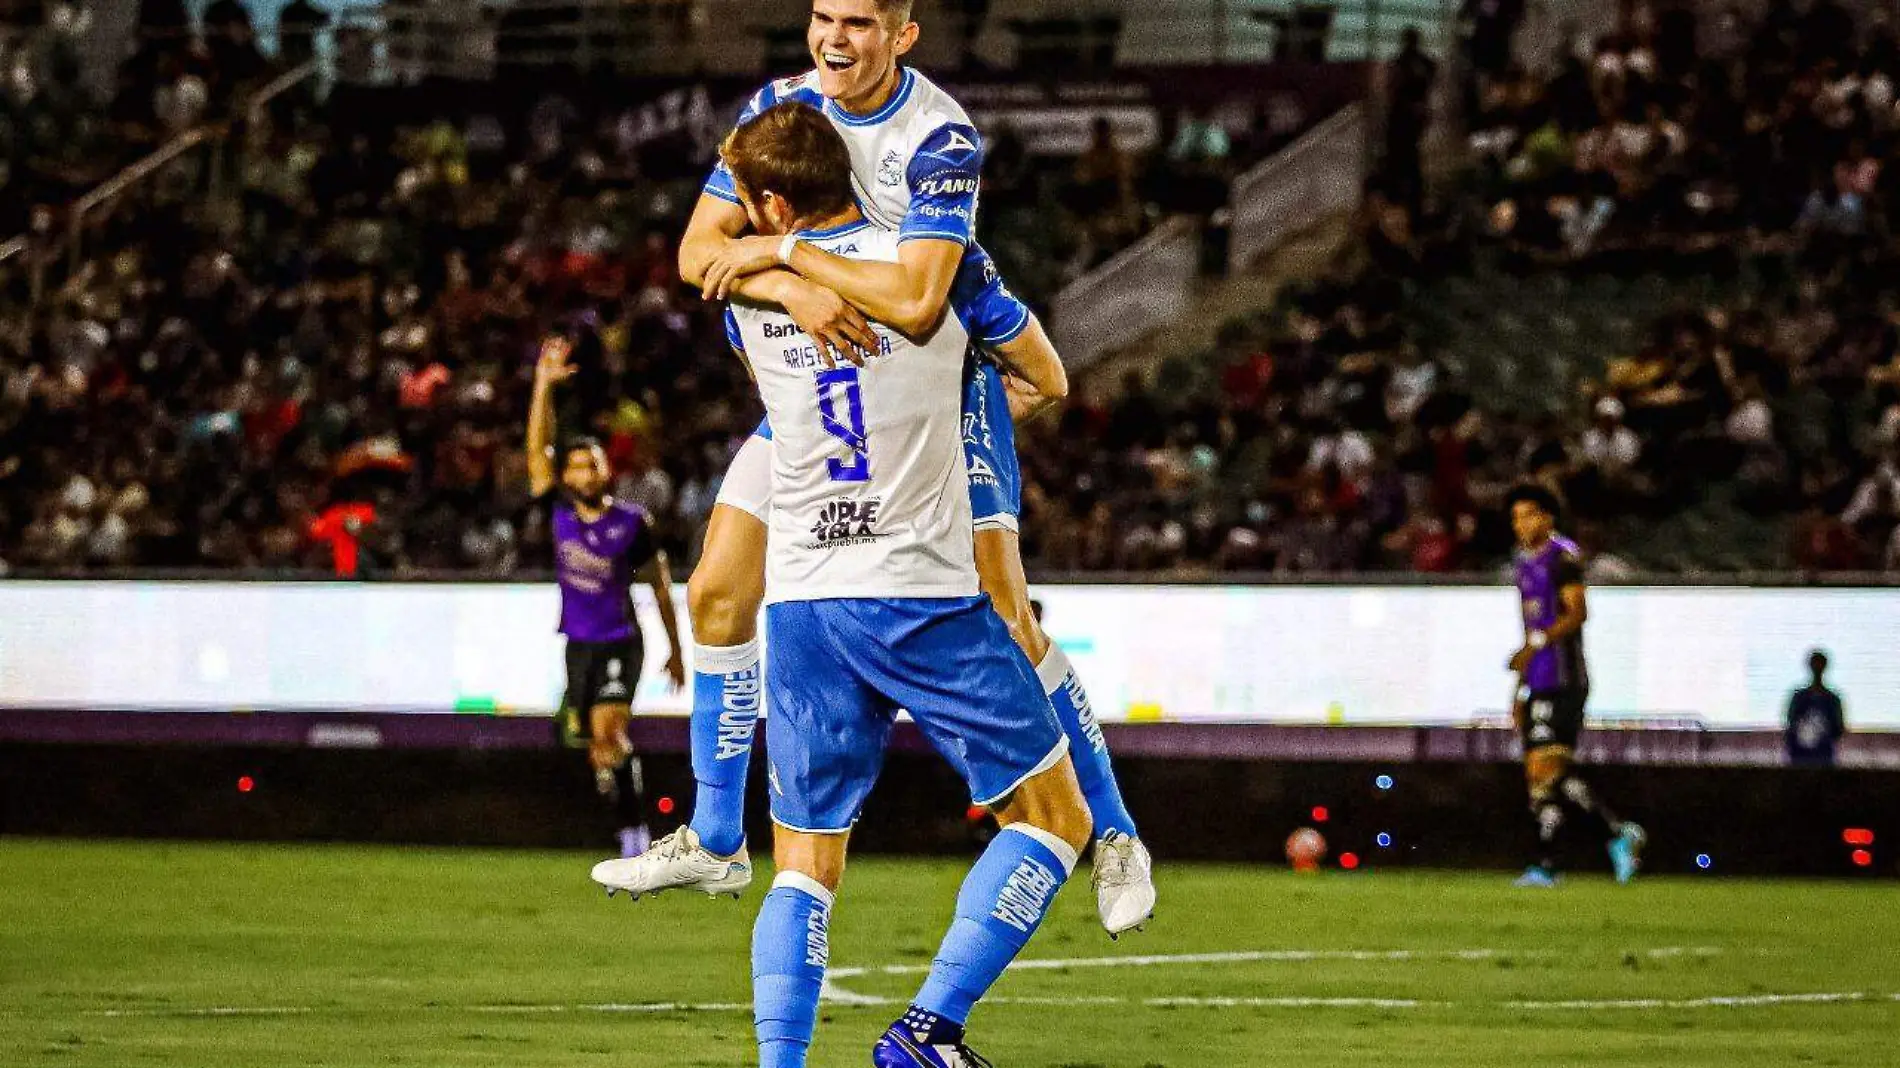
x: 1087, y: 748
x: 1002, y: 902
x: 791, y: 943
x: 727, y: 691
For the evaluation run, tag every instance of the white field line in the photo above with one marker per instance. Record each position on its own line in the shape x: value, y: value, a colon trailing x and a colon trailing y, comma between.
x: 837, y: 995
x: 681, y: 1007
x: 1263, y: 956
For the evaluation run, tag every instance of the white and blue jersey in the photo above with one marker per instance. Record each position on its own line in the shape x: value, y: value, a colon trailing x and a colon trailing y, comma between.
x: 916, y: 168
x: 872, y: 601
x: 916, y: 163
x: 993, y: 316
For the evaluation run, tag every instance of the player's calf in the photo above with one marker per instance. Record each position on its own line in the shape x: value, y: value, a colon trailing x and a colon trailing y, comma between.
x: 723, y: 597
x: 1002, y: 903
x: 1123, y: 871
x: 791, y: 944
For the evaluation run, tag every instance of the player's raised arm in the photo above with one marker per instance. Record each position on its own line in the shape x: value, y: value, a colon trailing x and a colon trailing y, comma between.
x: 549, y: 371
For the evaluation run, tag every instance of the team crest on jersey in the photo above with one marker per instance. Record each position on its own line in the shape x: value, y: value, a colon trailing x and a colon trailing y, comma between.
x: 890, y: 170
x: 847, y: 522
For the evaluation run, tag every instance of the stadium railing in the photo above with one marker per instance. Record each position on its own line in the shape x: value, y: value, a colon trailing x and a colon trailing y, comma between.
x: 1154, y: 281
x: 1140, y: 288
x: 1315, y: 177
x: 196, y: 157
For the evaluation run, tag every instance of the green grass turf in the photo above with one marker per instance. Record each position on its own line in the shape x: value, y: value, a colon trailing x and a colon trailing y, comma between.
x: 110, y: 953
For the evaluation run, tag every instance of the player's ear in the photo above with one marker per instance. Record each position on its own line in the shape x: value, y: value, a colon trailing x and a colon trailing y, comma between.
x: 779, y: 211
x: 906, y: 39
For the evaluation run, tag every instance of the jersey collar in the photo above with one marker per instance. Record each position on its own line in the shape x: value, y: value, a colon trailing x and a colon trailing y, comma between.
x: 835, y: 231
x: 906, y: 81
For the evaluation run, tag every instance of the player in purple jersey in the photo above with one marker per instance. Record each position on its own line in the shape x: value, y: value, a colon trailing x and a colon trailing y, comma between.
x: 1554, y: 684
x: 601, y: 547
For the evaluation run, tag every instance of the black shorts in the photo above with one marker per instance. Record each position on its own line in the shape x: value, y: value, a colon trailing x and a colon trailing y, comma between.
x: 600, y: 673
x: 1553, y: 717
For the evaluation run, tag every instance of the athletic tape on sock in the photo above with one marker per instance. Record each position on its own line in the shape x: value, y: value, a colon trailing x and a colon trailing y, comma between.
x: 1054, y: 669
x: 1048, y: 841
x: 804, y: 884
x: 725, y: 659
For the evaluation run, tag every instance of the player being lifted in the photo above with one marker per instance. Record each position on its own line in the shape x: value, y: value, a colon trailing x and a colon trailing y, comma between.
x: 600, y: 547
x: 1554, y: 684
x: 915, y: 169
x: 873, y: 605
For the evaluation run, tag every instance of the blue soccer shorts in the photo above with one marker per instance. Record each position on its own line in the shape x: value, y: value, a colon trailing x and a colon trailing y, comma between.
x: 838, y: 671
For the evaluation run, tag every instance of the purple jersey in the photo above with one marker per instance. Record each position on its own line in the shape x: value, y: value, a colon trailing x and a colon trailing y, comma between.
x: 1541, y: 578
x: 595, y: 562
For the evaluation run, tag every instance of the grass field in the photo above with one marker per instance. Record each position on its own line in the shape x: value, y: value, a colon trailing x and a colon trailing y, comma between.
x: 128, y: 954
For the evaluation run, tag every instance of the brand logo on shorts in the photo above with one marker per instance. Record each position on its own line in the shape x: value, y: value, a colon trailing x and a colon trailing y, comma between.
x: 614, y: 688
x: 847, y: 522
x: 1026, y: 895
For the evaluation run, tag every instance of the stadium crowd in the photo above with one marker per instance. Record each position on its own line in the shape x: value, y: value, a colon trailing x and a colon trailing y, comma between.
x: 1688, y: 128
x: 322, y: 364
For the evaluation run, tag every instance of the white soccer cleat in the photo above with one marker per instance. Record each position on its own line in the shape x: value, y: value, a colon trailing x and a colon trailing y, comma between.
x: 1124, y: 882
x: 676, y: 862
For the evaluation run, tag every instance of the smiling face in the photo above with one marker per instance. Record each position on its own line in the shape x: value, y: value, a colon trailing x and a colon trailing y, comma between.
x: 855, y: 45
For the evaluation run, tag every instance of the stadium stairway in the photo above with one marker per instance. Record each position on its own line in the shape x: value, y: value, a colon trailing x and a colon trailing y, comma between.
x: 1185, y: 344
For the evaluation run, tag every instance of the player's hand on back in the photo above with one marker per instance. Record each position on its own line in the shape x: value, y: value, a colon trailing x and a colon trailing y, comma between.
x: 840, y: 331
x: 553, y: 367
x: 1025, y: 400
x: 742, y: 256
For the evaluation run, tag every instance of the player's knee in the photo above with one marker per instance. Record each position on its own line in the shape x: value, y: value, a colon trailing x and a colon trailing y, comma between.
x: 722, y: 613
x: 818, y: 857
x: 1020, y: 618
x: 1052, y: 802
x: 1541, y: 778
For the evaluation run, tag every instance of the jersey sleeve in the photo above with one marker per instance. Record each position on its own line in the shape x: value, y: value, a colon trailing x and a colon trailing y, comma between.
x: 720, y: 183
x: 944, y: 177
x: 734, y: 337
x: 983, y: 304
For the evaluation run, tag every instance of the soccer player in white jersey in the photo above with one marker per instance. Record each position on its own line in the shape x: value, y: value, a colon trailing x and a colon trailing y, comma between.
x: 873, y: 605
x: 916, y: 165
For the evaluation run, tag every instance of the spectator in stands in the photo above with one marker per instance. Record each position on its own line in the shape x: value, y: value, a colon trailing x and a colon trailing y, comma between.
x: 972, y: 15
x: 1102, y: 196
x: 1197, y: 166
x: 1816, y: 719
x: 297, y: 27
x: 1410, y: 79
x: 1488, y: 28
